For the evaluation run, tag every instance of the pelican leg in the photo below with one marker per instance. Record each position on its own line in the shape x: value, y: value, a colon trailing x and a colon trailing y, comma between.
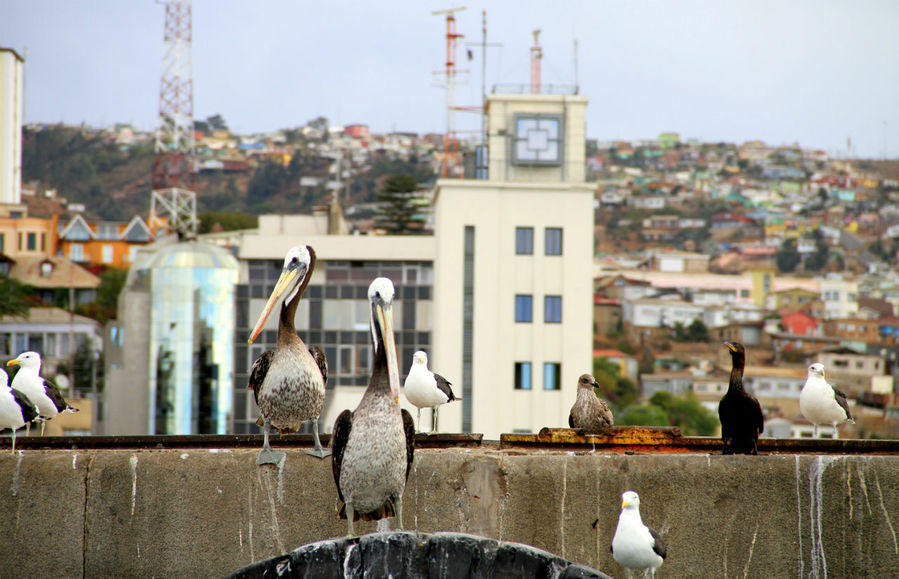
x: 350, y: 515
x: 267, y: 455
x: 433, y: 421
x: 398, y: 509
x: 318, y: 451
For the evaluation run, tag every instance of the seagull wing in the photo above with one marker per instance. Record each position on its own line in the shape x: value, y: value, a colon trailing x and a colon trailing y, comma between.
x: 342, y: 427
x: 444, y: 385
x: 56, y: 397
x: 658, y: 546
x: 319, y: 356
x: 840, y: 397
x: 29, y: 410
x: 409, y: 428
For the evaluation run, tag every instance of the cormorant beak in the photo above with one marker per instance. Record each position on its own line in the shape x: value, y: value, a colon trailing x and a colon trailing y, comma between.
x: 384, y: 317
x: 730, y: 346
x: 285, y: 283
x: 13, y: 362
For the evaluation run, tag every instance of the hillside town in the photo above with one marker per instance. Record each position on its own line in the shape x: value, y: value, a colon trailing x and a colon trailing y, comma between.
x: 790, y: 251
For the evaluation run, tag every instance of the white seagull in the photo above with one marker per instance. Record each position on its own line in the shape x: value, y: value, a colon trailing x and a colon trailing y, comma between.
x: 425, y: 389
x: 42, y: 393
x: 636, y: 546
x: 821, y: 403
x: 15, y: 409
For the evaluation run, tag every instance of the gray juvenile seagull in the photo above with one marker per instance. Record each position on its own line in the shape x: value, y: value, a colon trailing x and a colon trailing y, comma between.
x: 636, y: 546
x: 289, y: 381
x: 821, y: 403
x: 44, y: 394
x: 426, y: 389
x: 590, y: 413
x: 373, y: 445
x: 15, y: 409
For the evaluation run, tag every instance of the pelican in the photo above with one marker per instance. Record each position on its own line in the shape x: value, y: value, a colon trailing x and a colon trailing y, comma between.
x: 15, y: 409
x: 45, y: 396
x: 821, y: 402
x: 373, y: 445
x: 426, y: 389
x: 289, y: 381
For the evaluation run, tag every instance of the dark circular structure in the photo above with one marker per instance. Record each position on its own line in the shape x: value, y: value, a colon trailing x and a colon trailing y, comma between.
x: 413, y: 555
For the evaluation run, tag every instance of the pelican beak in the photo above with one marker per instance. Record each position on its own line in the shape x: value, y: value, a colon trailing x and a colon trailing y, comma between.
x: 285, y: 282
x: 385, y: 320
x: 13, y: 362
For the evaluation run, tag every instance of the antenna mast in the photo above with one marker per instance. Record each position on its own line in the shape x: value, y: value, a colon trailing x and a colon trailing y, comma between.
x: 174, y: 205
x: 450, y: 140
x: 536, y: 57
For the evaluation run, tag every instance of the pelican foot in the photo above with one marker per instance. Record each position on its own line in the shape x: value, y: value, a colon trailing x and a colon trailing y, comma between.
x: 269, y: 456
x: 319, y: 452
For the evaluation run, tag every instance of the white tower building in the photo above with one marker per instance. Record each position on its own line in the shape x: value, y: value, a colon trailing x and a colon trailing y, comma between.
x: 11, y: 98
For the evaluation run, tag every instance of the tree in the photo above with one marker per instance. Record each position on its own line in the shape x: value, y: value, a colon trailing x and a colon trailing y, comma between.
x: 686, y: 412
x: 13, y: 297
x: 618, y: 391
x: 401, y: 206
x: 818, y: 260
x: 788, y: 256
x: 217, y: 123
x: 267, y: 180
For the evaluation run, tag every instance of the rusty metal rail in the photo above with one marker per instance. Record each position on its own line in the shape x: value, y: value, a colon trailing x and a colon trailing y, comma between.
x: 621, y: 439
x: 668, y: 440
x: 220, y: 441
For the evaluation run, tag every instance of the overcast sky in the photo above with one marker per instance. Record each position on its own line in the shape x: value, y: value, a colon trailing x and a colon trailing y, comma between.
x: 816, y: 72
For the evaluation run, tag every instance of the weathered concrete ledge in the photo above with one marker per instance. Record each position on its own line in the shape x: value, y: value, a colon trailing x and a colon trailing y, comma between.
x: 209, y: 512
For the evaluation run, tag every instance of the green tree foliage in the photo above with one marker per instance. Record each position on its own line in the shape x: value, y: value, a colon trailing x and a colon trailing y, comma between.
x: 617, y: 390
x: 217, y: 123
x: 401, y: 206
x: 664, y: 409
x: 228, y: 221
x: 788, y: 257
x: 697, y: 331
x: 818, y: 260
x: 267, y: 180
x: 14, y: 297
x: 111, y: 283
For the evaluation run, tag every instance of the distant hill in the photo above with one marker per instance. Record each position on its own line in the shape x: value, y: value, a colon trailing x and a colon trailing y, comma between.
x: 114, y: 182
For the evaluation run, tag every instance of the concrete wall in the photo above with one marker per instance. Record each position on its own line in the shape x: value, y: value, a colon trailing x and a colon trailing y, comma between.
x: 206, y: 513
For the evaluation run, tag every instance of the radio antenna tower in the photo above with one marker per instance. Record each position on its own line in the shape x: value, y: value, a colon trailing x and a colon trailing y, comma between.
x: 450, y: 140
x: 174, y: 204
x: 536, y: 57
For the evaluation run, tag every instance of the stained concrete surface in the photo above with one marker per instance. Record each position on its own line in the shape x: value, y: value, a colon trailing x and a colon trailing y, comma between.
x: 166, y: 513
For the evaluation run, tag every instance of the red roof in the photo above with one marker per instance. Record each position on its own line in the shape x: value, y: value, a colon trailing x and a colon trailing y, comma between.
x: 609, y: 354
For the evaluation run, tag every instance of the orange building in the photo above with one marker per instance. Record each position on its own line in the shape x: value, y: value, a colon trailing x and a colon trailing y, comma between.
x: 104, y: 243
x: 24, y: 236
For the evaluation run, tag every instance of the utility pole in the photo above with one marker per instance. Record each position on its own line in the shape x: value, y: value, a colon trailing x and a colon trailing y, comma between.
x: 484, y: 44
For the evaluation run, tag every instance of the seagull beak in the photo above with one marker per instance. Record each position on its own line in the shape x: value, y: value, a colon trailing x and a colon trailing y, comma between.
x: 624, y: 504
x: 385, y: 321
x: 13, y: 362
x: 285, y: 282
x: 595, y: 384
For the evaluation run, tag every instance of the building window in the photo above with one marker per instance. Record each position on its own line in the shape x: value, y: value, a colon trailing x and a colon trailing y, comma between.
x: 524, y: 240
x: 552, y: 313
x: 107, y: 254
x: 76, y: 252
x: 32, y: 242
x: 552, y: 372
x: 553, y: 241
x: 524, y: 308
x: 522, y: 375
x: 2, y: 242
x: 537, y: 140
